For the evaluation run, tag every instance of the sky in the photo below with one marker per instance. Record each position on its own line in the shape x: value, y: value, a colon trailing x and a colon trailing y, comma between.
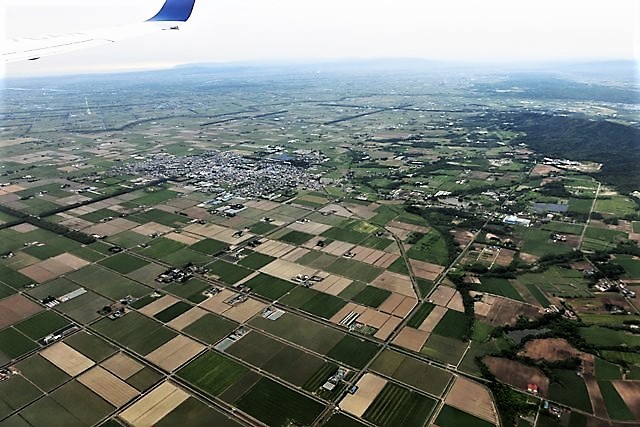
x: 521, y: 31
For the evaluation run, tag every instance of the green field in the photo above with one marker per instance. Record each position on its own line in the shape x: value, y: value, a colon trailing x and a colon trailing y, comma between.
x: 607, y: 370
x: 268, y: 286
x: 452, y: 417
x: 255, y: 260
x: 341, y: 420
x: 413, y: 372
x: 209, y: 246
x: 107, y: 283
x: 444, y: 349
x: 538, y: 242
x: 430, y: 248
x: 631, y: 266
x: 293, y: 365
x: 563, y: 227
x: 93, y: 347
x: 212, y: 373
x: 42, y: 324
x: 136, y: 332
x: 616, y: 408
x: 123, y: 263
x: 227, y: 272
x: 616, y: 205
x: 83, y: 309
x: 498, y: 286
x: 421, y: 314
x: 605, y: 337
x: 354, y: 269
x: 301, y: 331
x: 453, y: 325
x: 15, y: 393
x: 562, y: 282
x: 160, y: 248
x: 44, y: 374
x: 191, y: 289
x: 296, y: 237
x: 371, y: 296
x: 262, y: 228
x: 255, y: 348
x: 210, y: 328
x: 570, y: 390
x: 323, y: 305
x: 173, y: 311
x: 398, y: 406
x: 194, y: 413
x: 353, y: 351
x: 277, y: 405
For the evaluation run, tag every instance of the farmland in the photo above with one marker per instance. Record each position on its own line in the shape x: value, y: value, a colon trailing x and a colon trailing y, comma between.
x: 331, y: 248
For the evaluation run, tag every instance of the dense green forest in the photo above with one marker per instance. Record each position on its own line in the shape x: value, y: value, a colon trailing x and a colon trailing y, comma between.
x: 614, y: 145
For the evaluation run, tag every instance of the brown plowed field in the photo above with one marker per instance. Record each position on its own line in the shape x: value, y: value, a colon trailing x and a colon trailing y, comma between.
x: 517, y: 374
x: 550, y: 349
x: 473, y: 398
x: 630, y: 393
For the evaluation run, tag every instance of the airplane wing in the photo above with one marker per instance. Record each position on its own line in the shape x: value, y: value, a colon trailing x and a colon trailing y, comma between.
x: 172, y: 14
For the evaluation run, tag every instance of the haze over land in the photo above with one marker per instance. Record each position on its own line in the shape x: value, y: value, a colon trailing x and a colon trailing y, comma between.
x: 266, y: 231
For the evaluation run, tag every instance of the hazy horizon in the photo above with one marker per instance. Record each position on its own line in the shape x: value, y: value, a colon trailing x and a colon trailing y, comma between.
x: 256, y: 31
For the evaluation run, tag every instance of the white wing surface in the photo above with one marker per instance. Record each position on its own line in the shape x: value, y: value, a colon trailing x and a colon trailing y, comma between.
x: 170, y: 16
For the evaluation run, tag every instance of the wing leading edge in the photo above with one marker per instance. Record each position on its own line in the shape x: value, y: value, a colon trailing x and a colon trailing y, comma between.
x: 172, y: 13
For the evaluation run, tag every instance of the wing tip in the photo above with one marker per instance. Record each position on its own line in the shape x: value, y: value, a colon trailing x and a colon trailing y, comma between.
x: 174, y: 10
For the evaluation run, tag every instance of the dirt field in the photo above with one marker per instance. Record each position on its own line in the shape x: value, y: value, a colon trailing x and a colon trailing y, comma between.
x: 544, y: 170
x: 286, y: 270
x: 373, y: 317
x: 187, y: 318
x: 151, y: 228
x: 432, y: 319
x: 410, y: 338
x: 332, y: 284
x: 245, y: 311
x: 405, y: 307
x: 388, y: 327
x: 158, y: 305
x: 174, y: 353
x: 274, y: 248
x: 337, y: 247
x: 309, y: 227
x: 122, y: 365
x: 549, y: 349
x: 391, y: 303
x: 154, y: 406
x: 67, y: 359
x: 463, y: 237
x: 365, y: 212
x: 455, y: 303
x: 409, y: 227
x: 186, y: 238
x: 517, y: 374
x: 295, y: 254
x: 595, y: 395
x: 108, y: 386
x: 263, y: 205
x: 217, y: 303
x: 110, y: 228
x: 425, y: 270
x: 503, y: 311
x: 344, y: 311
x: 15, y: 308
x: 369, y: 386
x: 386, y: 260
x: 395, y: 282
x: 473, y: 398
x: 630, y: 393
x: 442, y: 295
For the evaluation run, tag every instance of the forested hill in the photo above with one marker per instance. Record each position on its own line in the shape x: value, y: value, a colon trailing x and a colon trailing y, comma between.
x: 614, y: 145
